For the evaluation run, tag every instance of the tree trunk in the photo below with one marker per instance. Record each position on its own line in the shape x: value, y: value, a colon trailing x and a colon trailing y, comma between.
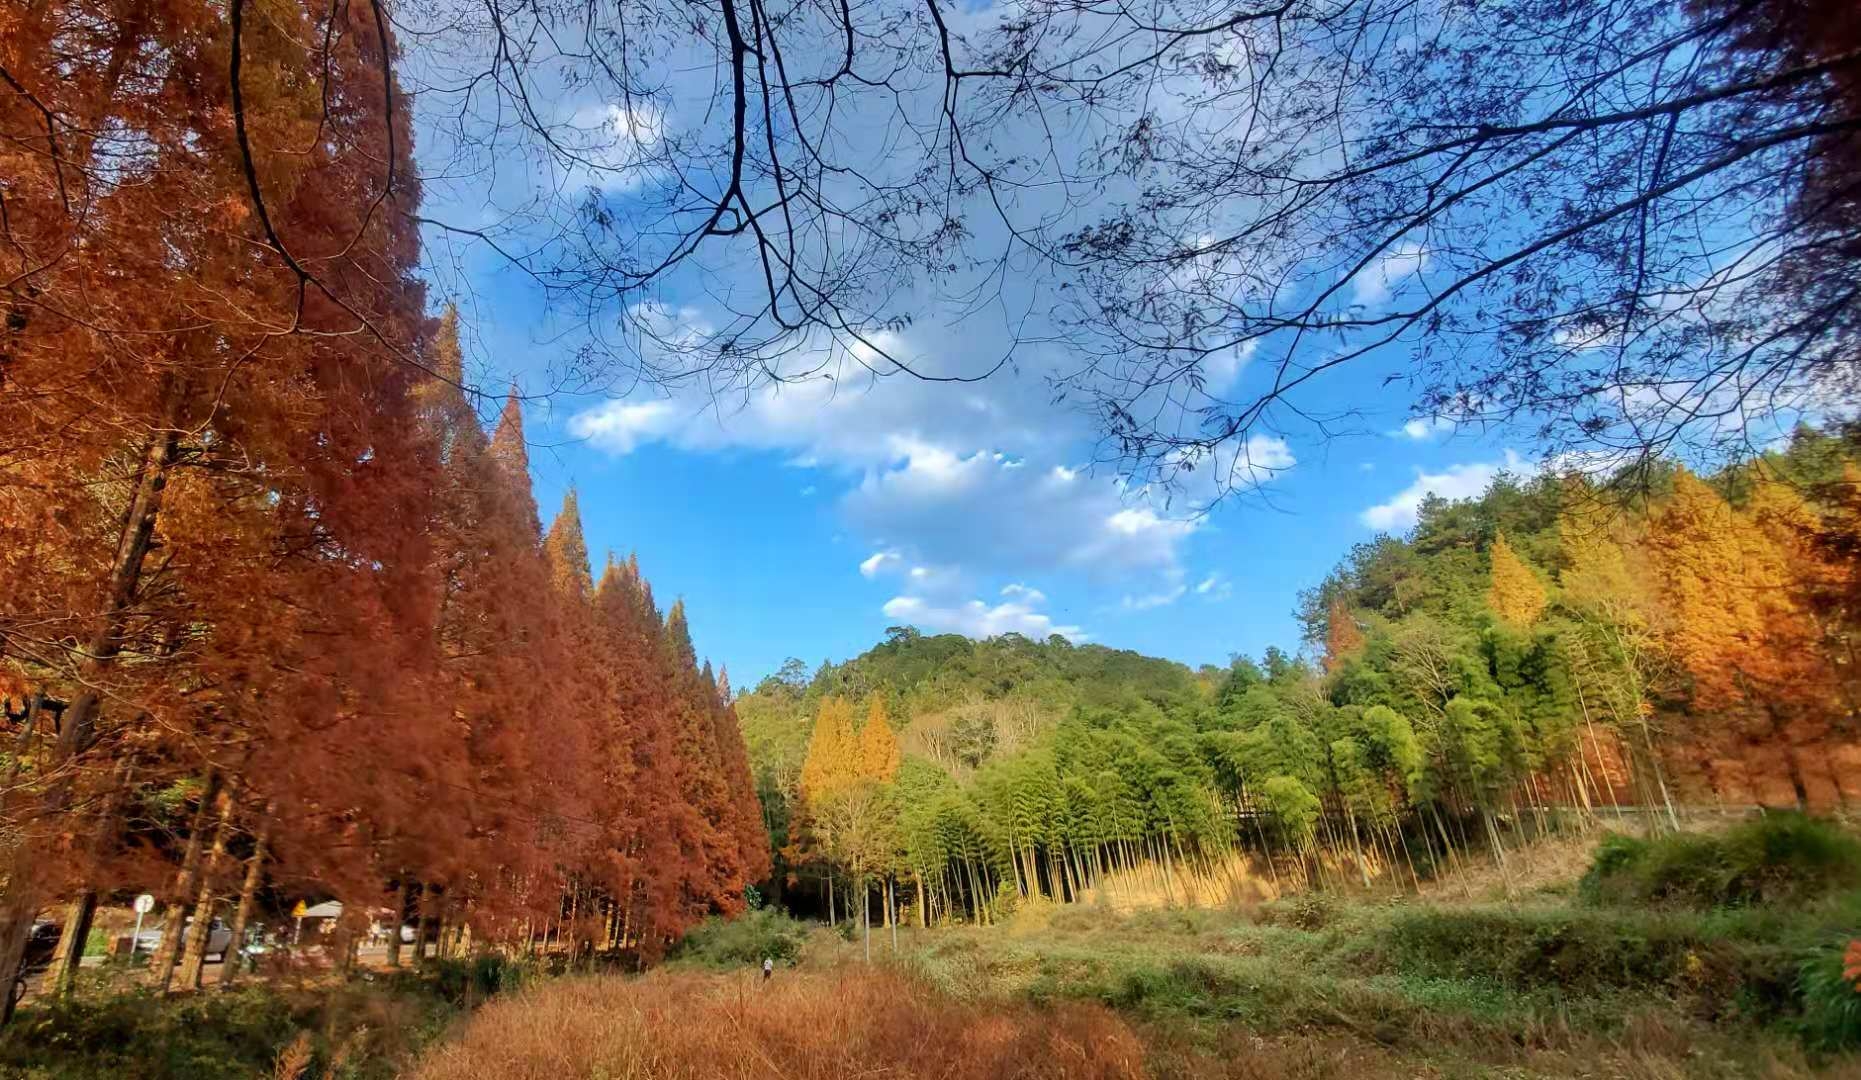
x: 1660, y: 778
x: 71, y: 942
x: 187, y: 880
x: 22, y: 895
x: 865, y: 911
x: 195, y: 957
x: 248, y: 893
x: 1798, y: 786
x: 1363, y: 869
x: 394, y: 927
x: 891, y: 912
x: 79, y: 914
x: 427, y: 903
x: 343, y: 960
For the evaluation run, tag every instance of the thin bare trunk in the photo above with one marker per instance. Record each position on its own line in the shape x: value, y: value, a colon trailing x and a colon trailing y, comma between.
x: 428, y: 911
x: 194, y: 958
x: 248, y: 895
x: 187, y: 881
x: 71, y: 941
x: 394, y: 924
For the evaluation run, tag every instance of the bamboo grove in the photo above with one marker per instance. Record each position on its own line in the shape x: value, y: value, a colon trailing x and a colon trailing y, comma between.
x: 277, y: 619
x: 1542, y: 653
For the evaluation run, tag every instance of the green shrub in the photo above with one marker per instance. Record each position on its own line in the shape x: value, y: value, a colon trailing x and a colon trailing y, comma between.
x: 1831, y: 998
x: 366, y: 1029
x: 746, y: 939
x: 1767, y: 859
x: 137, y: 1035
x: 471, y: 980
x: 1301, y: 911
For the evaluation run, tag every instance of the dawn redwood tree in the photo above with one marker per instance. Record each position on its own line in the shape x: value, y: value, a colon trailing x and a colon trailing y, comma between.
x: 658, y: 845
x: 751, y: 836
x: 567, y: 552
x: 1343, y: 637
x: 706, y: 777
x: 1725, y: 582
x: 246, y: 305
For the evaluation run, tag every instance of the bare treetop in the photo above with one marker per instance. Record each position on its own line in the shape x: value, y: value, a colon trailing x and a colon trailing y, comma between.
x: 1623, y: 227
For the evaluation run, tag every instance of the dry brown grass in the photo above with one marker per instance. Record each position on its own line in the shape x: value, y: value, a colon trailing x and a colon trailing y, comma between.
x: 1233, y: 881
x: 854, y: 1021
x: 1551, y: 861
x: 820, y: 1026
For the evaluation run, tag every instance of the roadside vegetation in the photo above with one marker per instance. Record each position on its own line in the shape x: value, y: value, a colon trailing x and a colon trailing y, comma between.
x: 362, y: 1030
x: 1716, y: 954
x: 1575, y: 977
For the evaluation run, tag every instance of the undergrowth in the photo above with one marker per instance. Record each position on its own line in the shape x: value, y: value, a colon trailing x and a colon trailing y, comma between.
x: 1771, y: 859
x: 746, y: 940
x: 1760, y: 973
x: 362, y: 1030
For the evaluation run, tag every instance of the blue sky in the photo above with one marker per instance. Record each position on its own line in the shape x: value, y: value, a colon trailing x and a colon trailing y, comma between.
x: 803, y: 521
x: 803, y: 516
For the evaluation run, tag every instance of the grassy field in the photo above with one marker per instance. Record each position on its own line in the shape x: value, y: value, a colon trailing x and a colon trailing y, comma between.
x: 1714, y: 956
x: 1696, y: 956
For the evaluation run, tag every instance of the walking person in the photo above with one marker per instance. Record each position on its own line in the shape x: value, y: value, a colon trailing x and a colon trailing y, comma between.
x: 768, y: 967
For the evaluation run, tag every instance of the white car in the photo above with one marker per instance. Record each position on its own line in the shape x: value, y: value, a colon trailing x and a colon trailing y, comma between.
x: 219, y: 939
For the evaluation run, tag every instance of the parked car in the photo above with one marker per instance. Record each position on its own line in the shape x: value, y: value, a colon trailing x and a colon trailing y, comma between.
x: 219, y: 938
x: 40, y: 945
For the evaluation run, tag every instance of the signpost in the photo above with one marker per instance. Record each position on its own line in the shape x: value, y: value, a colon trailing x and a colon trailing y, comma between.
x: 144, y: 904
x: 298, y: 914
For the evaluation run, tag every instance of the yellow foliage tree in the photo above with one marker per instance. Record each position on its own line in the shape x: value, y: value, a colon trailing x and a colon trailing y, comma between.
x: 1739, y: 623
x: 1516, y: 596
x: 878, y: 747
x: 832, y: 763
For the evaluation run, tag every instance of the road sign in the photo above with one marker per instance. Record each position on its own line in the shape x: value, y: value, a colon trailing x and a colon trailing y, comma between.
x: 298, y: 911
x: 144, y: 904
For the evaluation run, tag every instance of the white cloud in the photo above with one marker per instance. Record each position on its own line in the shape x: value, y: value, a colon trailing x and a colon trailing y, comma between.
x: 828, y: 411
x: 987, y: 511
x: 622, y: 426
x: 1455, y: 482
x: 1421, y: 429
x: 1154, y: 600
x: 1215, y: 587
x: 1231, y: 467
x: 964, y: 483
x: 1220, y: 370
x: 613, y: 145
x: 877, y: 561
x: 979, y: 619
x: 1027, y: 594
x: 1376, y: 283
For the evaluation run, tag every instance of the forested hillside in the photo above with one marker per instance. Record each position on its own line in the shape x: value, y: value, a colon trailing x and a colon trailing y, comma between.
x: 1552, y: 648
